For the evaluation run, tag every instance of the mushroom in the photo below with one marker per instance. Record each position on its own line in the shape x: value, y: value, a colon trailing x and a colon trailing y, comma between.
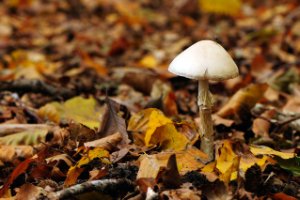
x: 205, y: 60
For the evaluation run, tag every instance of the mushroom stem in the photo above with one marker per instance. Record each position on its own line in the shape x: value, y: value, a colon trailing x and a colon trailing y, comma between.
x: 206, y: 124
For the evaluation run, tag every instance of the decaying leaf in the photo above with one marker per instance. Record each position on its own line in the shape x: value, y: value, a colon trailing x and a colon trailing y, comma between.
x: 78, y: 109
x: 112, y: 123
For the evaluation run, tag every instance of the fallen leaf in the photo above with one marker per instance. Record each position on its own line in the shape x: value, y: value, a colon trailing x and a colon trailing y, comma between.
x: 264, y: 150
x: 60, y: 157
x: 243, y: 100
x: 112, y: 122
x: 170, y: 176
x: 291, y: 164
x: 148, y: 61
x: 9, y: 153
x: 219, y: 120
x: 20, y: 169
x: 78, y: 109
x: 88, y: 156
x: 182, y: 193
x: 227, y: 162
x: 157, y: 129
x: 29, y: 191
x: 260, y: 126
x: 187, y: 160
x: 108, y: 142
x: 230, y: 7
x: 282, y: 196
x: 31, y: 137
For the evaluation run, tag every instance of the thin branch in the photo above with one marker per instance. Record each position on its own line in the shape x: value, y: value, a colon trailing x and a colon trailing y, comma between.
x: 108, y: 186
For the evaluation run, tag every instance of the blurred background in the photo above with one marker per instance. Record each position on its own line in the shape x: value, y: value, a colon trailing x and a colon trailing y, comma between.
x: 81, y: 44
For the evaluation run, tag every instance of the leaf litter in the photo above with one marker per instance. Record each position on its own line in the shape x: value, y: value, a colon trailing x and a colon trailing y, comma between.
x: 87, y: 106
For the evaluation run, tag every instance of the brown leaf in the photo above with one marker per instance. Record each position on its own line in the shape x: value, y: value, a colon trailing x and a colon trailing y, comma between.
x: 145, y: 183
x: 29, y: 191
x: 109, y: 142
x: 293, y: 105
x: 187, y: 160
x: 181, y: 194
x: 219, y: 120
x: 112, y: 123
x: 261, y: 126
x: 9, y: 153
x: 170, y: 176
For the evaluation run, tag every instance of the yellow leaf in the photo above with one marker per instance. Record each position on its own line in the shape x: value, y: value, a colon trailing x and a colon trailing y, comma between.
x: 227, y: 162
x: 170, y: 138
x: 249, y: 160
x: 187, y: 160
x: 190, y: 159
x: 156, y: 128
x: 28, y: 137
x: 78, y: 109
x: 229, y: 7
x: 264, y: 150
x: 88, y: 156
x: 210, y: 167
x: 149, y: 61
x: 30, y: 65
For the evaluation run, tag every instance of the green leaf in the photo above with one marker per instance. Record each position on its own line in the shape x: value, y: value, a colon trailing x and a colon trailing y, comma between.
x: 292, y: 165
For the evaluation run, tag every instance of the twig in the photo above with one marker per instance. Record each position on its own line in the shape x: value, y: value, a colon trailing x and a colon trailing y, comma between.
x: 109, y: 186
x: 35, y: 86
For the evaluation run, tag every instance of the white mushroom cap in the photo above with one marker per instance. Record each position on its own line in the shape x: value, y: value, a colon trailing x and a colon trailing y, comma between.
x: 205, y: 60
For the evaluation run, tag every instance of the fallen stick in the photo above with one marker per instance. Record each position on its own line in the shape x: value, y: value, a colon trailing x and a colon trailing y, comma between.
x: 107, y: 186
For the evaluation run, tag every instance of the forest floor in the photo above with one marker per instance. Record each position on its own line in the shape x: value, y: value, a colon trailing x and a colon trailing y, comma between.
x: 88, y: 109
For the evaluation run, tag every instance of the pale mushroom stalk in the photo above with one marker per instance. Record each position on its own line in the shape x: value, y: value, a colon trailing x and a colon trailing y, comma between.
x: 206, y: 123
